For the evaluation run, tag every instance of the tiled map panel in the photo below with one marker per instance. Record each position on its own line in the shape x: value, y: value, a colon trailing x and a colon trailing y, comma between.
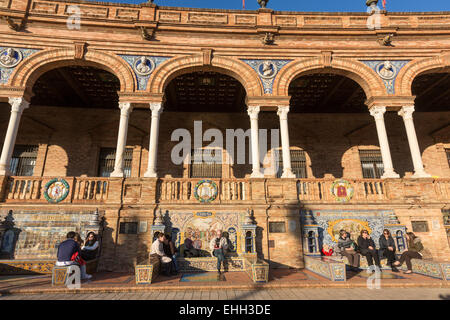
x: 42, y: 232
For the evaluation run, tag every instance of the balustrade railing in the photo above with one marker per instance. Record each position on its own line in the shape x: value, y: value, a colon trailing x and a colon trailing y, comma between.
x: 320, y: 189
x: 184, y: 189
x: 81, y: 189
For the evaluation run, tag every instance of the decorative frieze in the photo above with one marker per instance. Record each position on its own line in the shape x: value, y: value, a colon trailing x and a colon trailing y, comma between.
x: 210, y: 18
x: 10, y: 58
x: 168, y: 16
x: 286, y: 21
x: 127, y: 14
x: 244, y: 19
x: 323, y: 21
x: 44, y: 7
x: 387, y: 70
x: 267, y: 71
x: 143, y: 67
x: 90, y: 11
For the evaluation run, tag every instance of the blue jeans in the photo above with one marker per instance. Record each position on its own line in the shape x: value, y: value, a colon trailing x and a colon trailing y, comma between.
x: 218, y: 253
x: 174, y: 261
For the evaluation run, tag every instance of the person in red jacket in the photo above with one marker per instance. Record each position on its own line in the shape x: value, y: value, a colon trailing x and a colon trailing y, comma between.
x: 327, y: 250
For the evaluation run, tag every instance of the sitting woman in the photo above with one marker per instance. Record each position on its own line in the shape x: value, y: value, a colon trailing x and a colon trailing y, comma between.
x: 367, y: 248
x: 90, y: 248
x: 327, y: 250
x: 415, y: 246
x: 347, y: 248
x: 76, y: 257
x: 387, y: 248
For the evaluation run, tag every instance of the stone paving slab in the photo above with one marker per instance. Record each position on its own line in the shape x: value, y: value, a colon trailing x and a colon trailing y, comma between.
x: 264, y: 294
x: 280, y: 279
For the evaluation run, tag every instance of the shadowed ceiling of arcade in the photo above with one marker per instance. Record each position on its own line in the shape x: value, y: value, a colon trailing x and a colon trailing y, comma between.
x: 89, y: 87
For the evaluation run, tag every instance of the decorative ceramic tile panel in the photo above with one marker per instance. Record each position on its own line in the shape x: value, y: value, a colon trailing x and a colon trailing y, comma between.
x: 267, y: 70
x: 387, y: 70
x: 143, y: 67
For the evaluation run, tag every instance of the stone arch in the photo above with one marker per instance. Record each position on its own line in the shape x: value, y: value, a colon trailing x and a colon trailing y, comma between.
x: 37, y: 64
x: 406, y: 76
x: 357, y: 71
x: 187, y: 64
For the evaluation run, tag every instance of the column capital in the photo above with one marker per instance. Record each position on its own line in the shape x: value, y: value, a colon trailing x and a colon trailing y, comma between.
x: 253, y: 112
x: 156, y: 108
x: 406, y: 112
x: 125, y: 108
x: 283, y: 112
x: 377, y: 112
x: 18, y: 104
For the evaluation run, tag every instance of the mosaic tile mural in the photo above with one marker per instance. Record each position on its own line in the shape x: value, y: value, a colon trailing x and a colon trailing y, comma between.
x: 353, y: 221
x: 42, y: 232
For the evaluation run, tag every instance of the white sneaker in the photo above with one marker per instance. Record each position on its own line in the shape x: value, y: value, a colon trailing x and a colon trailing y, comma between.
x: 88, y: 276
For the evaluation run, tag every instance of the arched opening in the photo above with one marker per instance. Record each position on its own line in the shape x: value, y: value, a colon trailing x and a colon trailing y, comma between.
x: 202, y: 103
x: 326, y: 111
x: 70, y: 128
x: 432, y: 111
x: 432, y: 91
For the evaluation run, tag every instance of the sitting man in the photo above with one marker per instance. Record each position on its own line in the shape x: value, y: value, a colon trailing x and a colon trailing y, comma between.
x: 157, y: 250
x: 217, y: 245
x: 66, y: 250
x: 189, y: 250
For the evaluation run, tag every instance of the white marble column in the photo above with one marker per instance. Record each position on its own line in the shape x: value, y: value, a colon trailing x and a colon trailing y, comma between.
x: 406, y: 113
x: 283, y: 115
x: 378, y: 114
x: 17, y: 107
x: 253, y: 113
x: 156, y: 108
x: 125, y: 110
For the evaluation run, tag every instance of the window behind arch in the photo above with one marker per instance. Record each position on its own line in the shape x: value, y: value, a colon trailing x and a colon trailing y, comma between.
x: 107, y: 159
x: 208, y: 165
x: 298, y: 163
x: 23, y: 160
x: 371, y: 163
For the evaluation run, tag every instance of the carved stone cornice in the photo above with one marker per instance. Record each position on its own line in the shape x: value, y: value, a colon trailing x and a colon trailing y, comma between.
x: 392, y: 103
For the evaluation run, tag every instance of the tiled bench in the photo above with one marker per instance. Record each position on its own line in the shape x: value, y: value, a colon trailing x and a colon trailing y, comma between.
x: 29, y: 266
x: 202, y: 264
x: 256, y: 269
x: 147, y: 271
x: 329, y: 268
x: 435, y: 269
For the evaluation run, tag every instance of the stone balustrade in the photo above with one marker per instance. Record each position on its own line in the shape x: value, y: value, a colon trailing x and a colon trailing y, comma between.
x: 244, y: 191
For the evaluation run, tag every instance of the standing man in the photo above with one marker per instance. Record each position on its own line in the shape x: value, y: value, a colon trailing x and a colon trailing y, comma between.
x: 217, y: 245
x: 157, y: 250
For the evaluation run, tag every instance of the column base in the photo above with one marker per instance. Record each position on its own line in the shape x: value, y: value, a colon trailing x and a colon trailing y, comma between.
x: 257, y: 174
x: 287, y: 173
x: 116, y: 174
x: 421, y: 174
x: 150, y: 174
x: 390, y: 175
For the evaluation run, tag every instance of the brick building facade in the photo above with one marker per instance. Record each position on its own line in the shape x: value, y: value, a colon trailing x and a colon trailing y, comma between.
x: 136, y: 73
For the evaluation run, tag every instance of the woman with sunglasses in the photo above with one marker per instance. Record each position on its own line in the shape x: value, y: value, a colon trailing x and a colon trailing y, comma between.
x: 387, y: 249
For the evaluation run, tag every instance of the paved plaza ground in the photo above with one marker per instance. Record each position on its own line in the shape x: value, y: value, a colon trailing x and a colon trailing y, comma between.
x: 283, y: 284
x: 258, y: 294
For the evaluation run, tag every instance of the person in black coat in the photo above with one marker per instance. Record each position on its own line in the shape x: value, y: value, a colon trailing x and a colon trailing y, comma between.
x: 367, y: 248
x: 387, y: 248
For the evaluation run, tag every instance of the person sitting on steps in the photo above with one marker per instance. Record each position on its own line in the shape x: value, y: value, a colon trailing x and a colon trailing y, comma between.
x: 367, y: 248
x: 387, y: 249
x: 217, y: 245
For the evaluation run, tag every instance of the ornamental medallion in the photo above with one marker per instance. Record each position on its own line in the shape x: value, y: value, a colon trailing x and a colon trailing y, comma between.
x: 56, y: 190
x: 386, y: 70
x: 205, y: 191
x: 143, y: 66
x: 342, y: 190
x: 9, y: 58
x: 267, y: 69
